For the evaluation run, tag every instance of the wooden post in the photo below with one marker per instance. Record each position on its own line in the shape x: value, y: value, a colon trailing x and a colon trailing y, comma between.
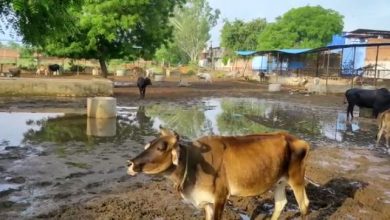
x: 353, y: 63
x: 281, y: 64
x: 268, y: 62
x: 327, y: 72
x: 341, y: 62
x: 246, y: 63
x: 318, y: 63
x: 376, y: 65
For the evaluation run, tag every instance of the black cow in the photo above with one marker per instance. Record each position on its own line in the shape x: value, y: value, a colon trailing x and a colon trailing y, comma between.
x: 15, y: 72
x: 262, y: 76
x: 378, y: 100
x: 54, y: 68
x: 142, y: 83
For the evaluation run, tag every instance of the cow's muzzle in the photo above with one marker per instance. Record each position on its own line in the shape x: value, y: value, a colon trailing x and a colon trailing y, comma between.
x: 130, y: 169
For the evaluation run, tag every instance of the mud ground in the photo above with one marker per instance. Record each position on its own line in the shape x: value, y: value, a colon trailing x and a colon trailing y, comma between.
x: 343, y: 183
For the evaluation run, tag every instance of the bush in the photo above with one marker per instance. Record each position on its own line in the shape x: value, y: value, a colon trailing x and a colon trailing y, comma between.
x: 191, y: 72
x: 220, y: 74
x: 73, y: 68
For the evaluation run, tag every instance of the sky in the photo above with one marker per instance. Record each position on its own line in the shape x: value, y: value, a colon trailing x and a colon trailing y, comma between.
x: 366, y: 14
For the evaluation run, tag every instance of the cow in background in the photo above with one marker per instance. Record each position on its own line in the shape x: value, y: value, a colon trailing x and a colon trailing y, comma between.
x: 205, y: 76
x: 54, y: 69
x: 142, y: 83
x: 262, y: 76
x: 378, y: 100
x: 15, y: 71
x: 50, y: 69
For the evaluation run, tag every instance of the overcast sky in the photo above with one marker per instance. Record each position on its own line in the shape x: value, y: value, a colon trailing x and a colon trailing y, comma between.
x: 368, y: 14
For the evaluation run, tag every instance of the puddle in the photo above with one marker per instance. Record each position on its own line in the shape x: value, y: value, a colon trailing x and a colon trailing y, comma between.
x: 16, y: 125
x: 229, y: 116
x: 64, y: 158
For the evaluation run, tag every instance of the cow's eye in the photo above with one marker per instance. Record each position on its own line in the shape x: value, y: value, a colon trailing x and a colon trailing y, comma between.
x: 163, y: 146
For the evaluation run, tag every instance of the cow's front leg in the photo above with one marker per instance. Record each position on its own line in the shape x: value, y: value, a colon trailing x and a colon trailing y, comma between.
x: 218, y: 209
x: 143, y: 92
x: 215, y: 211
x: 209, y: 211
x: 140, y: 92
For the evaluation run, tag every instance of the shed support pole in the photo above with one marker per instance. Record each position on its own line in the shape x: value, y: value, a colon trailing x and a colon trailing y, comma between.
x: 376, y: 65
x: 327, y: 72
x: 281, y: 65
x: 341, y: 61
x: 318, y: 63
x: 353, y: 62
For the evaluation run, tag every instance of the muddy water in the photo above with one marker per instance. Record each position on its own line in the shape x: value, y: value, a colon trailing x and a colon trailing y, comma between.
x: 48, y: 160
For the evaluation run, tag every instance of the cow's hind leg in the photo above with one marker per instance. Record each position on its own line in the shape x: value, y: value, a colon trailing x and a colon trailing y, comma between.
x: 280, y: 199
x: 379, y: 135
x: 350, y: 111
x: 300, y: 195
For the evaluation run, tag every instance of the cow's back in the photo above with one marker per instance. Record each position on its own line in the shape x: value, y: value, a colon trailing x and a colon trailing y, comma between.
x: 384, y: 120
x: 250, y: 165
x: 361, y: 97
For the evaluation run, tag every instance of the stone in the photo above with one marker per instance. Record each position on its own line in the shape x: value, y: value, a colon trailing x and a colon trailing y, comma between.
x: 274, y: 87
x: 101, y: 107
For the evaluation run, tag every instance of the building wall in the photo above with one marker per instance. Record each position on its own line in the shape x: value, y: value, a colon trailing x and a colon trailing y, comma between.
x: 55, y: 87
x: 383, y: 68
x: 353, y: 58
x: 9, y: 53
x: 384, y: 51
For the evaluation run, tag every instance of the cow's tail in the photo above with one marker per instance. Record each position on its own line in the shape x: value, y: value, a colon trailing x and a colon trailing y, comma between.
x: 345, y: 100
x: 299, y: 150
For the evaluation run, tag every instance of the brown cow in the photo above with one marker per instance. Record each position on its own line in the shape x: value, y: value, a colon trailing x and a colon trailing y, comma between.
x: 383, y: 127
x: 207, y: 171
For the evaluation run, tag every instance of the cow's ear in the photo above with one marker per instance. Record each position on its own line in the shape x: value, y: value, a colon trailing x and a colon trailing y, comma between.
x: 165, y: 131
x: 175, y: 155
x: 176, y: 135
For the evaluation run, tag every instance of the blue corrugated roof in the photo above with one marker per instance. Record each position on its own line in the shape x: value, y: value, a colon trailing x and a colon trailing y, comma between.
x: 293, y: 51
x: 307, y: 50
x: 286, y: 51
x: 245, y: 52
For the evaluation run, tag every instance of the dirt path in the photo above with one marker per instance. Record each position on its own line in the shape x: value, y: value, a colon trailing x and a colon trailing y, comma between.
x: 344, y: 183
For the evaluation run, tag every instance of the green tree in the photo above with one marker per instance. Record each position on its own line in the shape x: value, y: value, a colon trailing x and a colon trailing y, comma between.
x: 240, y: 35
x: 305, y: 27
x: 34, y: 21
x: 189, y: 122
x: 192, y: 25
x: 172, y: 54
x: 110, y: 29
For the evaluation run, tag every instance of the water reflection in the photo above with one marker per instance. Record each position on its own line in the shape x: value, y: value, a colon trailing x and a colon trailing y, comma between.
x: 227, y: 116
x: 15, y: 125
x: 101, y: 127
x: 34, y: 128
x: 232, y: 116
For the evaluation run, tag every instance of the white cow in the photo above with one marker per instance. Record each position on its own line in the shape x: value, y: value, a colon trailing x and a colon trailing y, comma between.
x: 205, y: 76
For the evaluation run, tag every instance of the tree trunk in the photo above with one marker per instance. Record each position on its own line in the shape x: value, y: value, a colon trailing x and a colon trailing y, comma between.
x: 103, y: 67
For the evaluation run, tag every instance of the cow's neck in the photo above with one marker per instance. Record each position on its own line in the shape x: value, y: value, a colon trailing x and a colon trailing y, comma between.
x: 179, y: 173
